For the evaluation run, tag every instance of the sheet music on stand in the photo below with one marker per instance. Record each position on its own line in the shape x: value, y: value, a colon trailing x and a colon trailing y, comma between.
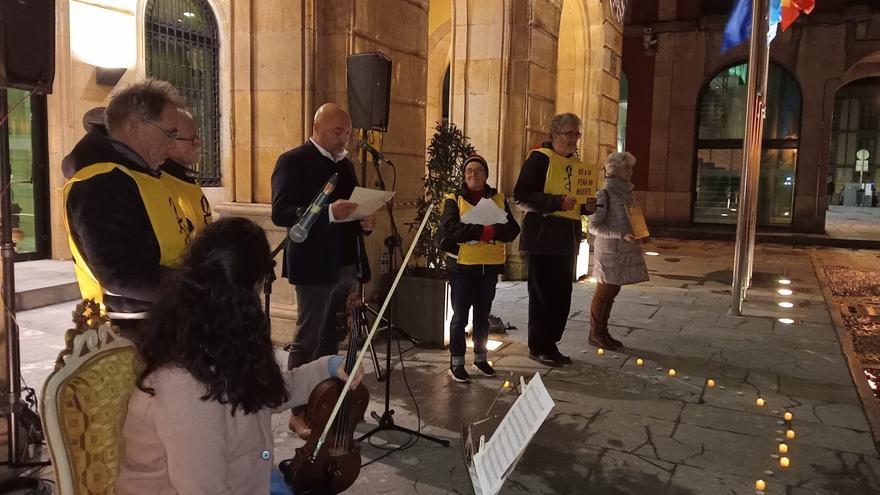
x: 495, y: 459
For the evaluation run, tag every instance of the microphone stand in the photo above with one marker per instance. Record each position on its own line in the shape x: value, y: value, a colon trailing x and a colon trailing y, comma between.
x: 393, y: 244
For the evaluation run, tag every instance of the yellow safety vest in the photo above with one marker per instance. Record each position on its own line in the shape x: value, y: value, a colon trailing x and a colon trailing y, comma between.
x: 480, y: 253
x: 191, y: 201
x: 569, y: 176
x: 165, y: 218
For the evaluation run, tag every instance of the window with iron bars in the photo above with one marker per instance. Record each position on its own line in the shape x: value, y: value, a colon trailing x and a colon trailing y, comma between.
x: 182, y: 47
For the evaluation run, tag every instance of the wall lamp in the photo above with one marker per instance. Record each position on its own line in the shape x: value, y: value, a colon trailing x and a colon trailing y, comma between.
x: 109, y: 76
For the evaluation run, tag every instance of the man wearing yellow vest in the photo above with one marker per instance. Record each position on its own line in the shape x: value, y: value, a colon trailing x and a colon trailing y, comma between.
x: 124, y: 225
x: 555, y: 188
x: 475, y: 257
x: 179, y: 176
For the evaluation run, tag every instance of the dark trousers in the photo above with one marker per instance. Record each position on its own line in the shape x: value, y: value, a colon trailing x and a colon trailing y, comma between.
x: 320, y: 316
x: 470, y: 288
x: 600, y: 309
x: 550, y: 279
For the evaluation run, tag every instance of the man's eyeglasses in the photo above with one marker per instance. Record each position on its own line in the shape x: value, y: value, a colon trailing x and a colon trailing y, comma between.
x: 576, y: 134
x: 195, y: 140
x: 171, y: 135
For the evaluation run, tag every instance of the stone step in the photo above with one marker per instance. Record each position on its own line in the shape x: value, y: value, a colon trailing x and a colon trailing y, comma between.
x: 44, y: 283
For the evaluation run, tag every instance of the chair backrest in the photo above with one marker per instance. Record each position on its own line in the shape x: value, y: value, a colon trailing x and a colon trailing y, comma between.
x: 84, y: 406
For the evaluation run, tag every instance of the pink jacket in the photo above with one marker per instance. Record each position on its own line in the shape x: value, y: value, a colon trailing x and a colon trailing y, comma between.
x: 177, y: 443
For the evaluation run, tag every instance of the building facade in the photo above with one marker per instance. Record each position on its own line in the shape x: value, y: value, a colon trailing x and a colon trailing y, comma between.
x: 253, y: 73
x: 686, y: 109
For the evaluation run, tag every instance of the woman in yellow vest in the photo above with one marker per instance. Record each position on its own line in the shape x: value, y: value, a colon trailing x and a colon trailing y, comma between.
x: 475, y: 257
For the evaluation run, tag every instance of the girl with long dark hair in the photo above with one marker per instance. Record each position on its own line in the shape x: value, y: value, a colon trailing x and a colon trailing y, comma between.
x: 199, y: 420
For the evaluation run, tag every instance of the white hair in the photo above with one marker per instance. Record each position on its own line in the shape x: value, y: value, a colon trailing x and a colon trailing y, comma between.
x: 615, y: 161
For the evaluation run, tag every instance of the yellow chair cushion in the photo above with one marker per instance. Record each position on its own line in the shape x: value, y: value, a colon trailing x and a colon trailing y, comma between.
x: 92, y: 404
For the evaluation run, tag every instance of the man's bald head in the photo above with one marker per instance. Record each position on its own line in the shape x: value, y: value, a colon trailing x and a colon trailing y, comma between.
x: 331, y: 128
x: 187, y: 148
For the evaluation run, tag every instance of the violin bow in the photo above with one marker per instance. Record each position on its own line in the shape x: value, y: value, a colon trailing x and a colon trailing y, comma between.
x: 369, y: 338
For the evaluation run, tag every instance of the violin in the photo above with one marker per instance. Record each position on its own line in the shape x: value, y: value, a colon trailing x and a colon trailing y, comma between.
x: 334, y: 466
x: 330, y: 461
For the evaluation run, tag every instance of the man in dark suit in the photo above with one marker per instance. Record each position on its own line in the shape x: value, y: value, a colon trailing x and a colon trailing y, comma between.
x: 326, y: 267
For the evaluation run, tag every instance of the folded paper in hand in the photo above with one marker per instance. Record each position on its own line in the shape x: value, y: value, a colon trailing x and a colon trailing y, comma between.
x: 637, y: 221
x: 368, y: 202
x: 485, y: 213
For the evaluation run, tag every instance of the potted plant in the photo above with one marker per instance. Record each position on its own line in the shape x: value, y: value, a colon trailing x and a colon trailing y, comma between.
x: 423, y: 302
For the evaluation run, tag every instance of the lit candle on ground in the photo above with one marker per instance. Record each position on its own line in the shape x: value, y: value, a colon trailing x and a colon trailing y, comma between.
x: 788, y: 416
x: 640, y: 362
x: 600, y: 351
x: 790, y: 434
x: 783, y: 449
x: 784, y: 462
x: 710, y: 383
x: 760, y: 485
x: 671, y: 372
x: 760, y: 402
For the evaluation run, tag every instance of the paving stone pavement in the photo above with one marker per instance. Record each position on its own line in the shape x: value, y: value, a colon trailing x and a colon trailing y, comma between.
x: 622, y: 428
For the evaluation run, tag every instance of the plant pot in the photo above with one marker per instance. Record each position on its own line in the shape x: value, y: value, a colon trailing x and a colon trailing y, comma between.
x: 423, y: 310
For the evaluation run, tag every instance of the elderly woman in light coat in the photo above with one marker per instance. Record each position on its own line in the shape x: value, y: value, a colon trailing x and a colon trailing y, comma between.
x: 618, y: 258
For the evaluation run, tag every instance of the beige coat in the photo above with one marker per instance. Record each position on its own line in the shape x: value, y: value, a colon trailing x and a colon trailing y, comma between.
x: 615, y: 261
x: 176, y: 443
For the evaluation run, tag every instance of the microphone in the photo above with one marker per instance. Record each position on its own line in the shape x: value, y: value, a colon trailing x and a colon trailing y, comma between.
x: 300, y: 231
x: 377, y: 155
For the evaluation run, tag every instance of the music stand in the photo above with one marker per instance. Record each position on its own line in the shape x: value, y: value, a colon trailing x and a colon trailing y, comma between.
x: 386, y: 420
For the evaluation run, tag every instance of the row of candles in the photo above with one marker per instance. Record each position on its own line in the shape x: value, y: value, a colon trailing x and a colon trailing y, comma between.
x: 784, y: 459
x: 788, y: 416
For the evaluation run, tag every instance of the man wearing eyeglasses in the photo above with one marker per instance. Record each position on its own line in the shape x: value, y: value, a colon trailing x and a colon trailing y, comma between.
x: 554, y: 188
x: 124, y: 225
x: 179, y: 175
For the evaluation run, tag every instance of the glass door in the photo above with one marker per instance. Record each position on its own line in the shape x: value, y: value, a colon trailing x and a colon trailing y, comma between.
x: 28, y: 157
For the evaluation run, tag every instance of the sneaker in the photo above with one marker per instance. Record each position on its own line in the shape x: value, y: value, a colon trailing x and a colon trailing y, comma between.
x: 484, y: 368
x: 459, y: 374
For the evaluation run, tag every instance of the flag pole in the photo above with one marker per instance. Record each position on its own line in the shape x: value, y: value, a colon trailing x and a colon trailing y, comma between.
x: 758, y: 65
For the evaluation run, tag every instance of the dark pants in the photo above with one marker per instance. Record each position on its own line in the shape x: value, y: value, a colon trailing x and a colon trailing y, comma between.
x: 470, y: 288
x: 320, y: 318
x: 550, y: 279
x: 600, y: 310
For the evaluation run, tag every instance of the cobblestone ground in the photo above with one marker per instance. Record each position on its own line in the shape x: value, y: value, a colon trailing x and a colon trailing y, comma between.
x: 622, y: 428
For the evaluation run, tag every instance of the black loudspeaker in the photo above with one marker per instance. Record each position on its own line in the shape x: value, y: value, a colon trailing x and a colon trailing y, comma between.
x: 369, y: 90
x: 27, y: 44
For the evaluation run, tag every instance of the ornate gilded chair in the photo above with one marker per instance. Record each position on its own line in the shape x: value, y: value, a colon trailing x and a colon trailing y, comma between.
x: 84, y: 404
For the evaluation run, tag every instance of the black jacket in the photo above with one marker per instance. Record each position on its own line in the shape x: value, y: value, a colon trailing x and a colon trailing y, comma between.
x: 86, y: 152
x: 453, y: 232
x: 109, y: 225
x: 298, y: 177
x: 543, y: 234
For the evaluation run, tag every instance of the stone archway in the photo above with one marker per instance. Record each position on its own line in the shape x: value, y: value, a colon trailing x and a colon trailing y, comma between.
x: 504, y: 76
x: 439, y: 55
x: 580, y: 69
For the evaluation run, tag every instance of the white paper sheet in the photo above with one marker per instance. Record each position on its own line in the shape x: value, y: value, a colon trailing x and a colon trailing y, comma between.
x: 496, y: 459
x: 486, y: 212
x: 368, y: 200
